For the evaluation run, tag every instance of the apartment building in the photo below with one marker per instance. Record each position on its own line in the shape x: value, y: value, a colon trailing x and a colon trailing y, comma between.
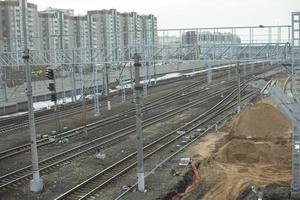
x: 149, y: 30
x: 57, y: 29
x: 131, y: 33
x: 208, y: 38
x: 116, y: 35
x: 11, y: 28
x: 108, y: 33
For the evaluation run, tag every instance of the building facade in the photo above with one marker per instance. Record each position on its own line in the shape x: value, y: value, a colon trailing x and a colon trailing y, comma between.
x: 11, y: 28
x: 209, y: 38
x: 116, y: 35
x: 108, y: 33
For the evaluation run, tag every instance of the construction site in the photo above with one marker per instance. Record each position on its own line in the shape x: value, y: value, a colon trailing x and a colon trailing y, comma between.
x: 147, y: 113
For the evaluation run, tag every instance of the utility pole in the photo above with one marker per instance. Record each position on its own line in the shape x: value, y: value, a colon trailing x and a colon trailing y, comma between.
x: 3, y: 83
x: 93, y: 64
x: 36, y: 184
x: 154, y: 72
x: 61, y: 41
x: 209, y: 73
x: 57, y: 109
x: 96, y: 96
x: 140, y: 157
x: 107, y: 86
x: 84, y: 120
x: 131, y: 81
x: 238, y: 72
x: 74, y: 91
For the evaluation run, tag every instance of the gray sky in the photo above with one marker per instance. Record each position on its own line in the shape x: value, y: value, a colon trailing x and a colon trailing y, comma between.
x: 192, y: 13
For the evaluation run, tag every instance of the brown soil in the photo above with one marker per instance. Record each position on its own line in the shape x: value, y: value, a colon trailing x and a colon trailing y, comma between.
x: 257, y: 152
x: 261, y: 121
x: 250, y: 152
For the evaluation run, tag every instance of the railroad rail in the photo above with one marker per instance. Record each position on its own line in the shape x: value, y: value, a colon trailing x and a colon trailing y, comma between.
x: 20, y: 175
x: 88, y: 189
x: 98, y: 143
x: 112, y: 119
x: 11, y: 124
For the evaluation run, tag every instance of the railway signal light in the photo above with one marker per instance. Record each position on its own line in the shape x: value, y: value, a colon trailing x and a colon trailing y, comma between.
x: 51, y: 87
x: 50, y: 74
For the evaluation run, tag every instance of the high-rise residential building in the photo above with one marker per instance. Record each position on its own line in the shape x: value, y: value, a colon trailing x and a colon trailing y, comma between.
x: 116, y: 35
x: 108, y: 33
x: 131, y: 33
x: 149, y: 30
x: 57, y: 28
x: 11, y: 28
x: 208, y: 38
x: 85, y: 32
x: 48, y: 30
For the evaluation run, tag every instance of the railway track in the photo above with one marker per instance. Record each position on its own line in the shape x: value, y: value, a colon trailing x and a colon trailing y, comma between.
x: 18, y: 176
x: 55, y: 161
x: 88, y: 189
x: 112, y: 119
x: 11, y: 124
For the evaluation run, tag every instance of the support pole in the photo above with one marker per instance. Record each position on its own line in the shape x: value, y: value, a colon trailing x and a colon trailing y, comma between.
x: 145, y: 85
x: 36, y: 184
x: 74, y: 91
x: 154, y: 71
x: 3, y: 85
x: 97, y: 96
x: 56, y: 107
x: 209, y: 73
x: 140, y: 157
x: 81, y: 80
x: 132, y: 85
x: 84, y: 120
x: 238, y: 73
x: 107, y: 86
x: 95, y: 88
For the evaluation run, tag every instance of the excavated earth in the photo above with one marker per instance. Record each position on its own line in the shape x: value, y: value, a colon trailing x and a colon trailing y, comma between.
x: 250, y: 157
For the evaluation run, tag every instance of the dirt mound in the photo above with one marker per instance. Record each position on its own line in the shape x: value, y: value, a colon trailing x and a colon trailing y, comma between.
x: 261, y: 121
x: 257, y: 154
x: 246, y: 151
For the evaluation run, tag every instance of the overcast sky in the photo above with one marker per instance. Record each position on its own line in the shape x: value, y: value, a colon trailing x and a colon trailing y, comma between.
x: 192, y: 13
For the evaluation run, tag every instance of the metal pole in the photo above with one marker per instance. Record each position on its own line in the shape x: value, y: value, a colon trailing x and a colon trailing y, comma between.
x: 97, y: 110
x: 154, y: 71
x: 63, y: 86
x: 56, y: 107
x: 61, y: 15
x: 145, y: 85
x: 3, y: 84
x: 209, y: 73
x: 239, y: 86
x: 84, y: 120
x: 74, y: 92
x: 140, y: 157
x: 36, y: 184
x: 132, y: 85
x: 107, y: 86
x: 81, y: 79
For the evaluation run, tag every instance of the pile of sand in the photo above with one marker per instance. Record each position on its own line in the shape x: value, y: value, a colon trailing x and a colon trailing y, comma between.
x: 258, y: 153
x: 261, y: 121
x: 250, y: 152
